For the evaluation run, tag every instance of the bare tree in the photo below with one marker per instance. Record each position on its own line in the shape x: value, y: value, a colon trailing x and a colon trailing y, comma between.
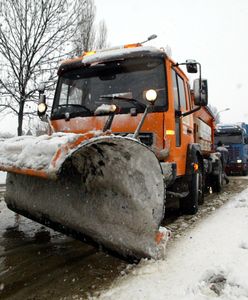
x: 101, y: 39
x: 89, y: 36
x: 85, y: 35
x: 34, y: 35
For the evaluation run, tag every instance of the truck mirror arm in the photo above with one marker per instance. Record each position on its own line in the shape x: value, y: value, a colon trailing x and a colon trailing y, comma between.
x: 184, y: 114
x: 136, y: 133
x: 109, y: 122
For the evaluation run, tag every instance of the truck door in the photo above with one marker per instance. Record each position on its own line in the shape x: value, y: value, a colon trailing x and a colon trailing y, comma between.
x: 183, y: 125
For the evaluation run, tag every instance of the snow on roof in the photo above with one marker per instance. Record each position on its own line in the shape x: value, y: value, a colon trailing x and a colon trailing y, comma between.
x: 119, y: 52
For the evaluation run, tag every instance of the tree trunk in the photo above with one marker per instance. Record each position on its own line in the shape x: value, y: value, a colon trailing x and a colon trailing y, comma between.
x: 20, y: 116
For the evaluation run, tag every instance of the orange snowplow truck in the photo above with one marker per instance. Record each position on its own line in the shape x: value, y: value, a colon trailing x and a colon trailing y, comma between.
x: 127, y: 131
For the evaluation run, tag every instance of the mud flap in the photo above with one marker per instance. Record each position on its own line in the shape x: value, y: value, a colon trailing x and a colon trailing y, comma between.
x: 109, y: 188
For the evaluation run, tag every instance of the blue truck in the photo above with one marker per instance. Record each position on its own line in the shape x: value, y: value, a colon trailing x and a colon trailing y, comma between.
x: 235, y: 139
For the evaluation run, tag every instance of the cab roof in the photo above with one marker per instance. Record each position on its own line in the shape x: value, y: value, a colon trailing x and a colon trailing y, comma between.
x: 107, y: 55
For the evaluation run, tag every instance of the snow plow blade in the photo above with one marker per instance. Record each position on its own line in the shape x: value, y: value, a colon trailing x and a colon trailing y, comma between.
x: 106, y: 188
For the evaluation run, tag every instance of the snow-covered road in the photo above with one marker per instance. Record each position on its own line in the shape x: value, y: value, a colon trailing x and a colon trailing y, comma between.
x: 208, y: 262
x: 206, y: 258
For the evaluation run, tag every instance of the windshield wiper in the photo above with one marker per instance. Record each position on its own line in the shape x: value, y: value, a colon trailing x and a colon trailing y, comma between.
x: 76, y: 105
x: 114, y: 97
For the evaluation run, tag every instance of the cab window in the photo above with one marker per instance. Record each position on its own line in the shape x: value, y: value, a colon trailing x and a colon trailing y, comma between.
x: 178, y: 91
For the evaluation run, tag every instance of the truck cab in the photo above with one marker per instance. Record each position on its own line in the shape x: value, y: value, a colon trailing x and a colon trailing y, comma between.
x: 109, y: 90
x: 122, y: 77
x: 235, y: 139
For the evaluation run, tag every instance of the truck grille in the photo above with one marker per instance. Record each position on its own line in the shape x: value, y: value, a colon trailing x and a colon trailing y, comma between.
x: 145, y: 137
x: 234, y: 153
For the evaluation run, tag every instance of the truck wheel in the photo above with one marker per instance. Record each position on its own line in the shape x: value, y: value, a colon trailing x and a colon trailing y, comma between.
x: 189, y: 204
x: 217, y: 182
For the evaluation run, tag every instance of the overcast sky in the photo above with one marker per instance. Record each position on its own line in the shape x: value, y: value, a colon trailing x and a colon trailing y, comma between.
x: 214, y: 32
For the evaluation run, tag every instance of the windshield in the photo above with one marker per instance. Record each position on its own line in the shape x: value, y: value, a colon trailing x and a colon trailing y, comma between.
x: 229, y: 139
x: 81, y: 91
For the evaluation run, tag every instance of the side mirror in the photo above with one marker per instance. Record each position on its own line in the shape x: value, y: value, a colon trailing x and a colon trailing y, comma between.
x: 191, y: 66
x: 200, y: 88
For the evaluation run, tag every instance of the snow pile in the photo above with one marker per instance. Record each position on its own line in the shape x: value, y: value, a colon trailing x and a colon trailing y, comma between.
x: 32, y: 152
x: 105, y: 108
x: 209, y: 262
x: 6, y: 135
x: 29, y: 152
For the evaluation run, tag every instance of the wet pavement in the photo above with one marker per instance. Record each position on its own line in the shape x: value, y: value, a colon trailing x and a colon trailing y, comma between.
x: 38, y: 263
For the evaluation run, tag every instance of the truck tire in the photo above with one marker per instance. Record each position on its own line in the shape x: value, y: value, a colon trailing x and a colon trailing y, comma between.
x: 189, y: 204
x: 217, y: 181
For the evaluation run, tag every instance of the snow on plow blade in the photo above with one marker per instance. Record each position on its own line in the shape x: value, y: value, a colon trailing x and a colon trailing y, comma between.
x: 107, y: 188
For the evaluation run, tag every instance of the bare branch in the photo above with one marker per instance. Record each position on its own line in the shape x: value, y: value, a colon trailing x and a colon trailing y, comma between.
x: 33, y: 36
x: 101, y: 40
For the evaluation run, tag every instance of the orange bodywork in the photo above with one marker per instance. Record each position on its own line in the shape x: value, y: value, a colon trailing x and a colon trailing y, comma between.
x: 177, y: 154
x: 30, y: 172
x: 161, y: 124
x: 205, y: 115
x: 154, y: 123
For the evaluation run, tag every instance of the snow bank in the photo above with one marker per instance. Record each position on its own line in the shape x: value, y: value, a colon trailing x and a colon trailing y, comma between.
x: 210, y: 262
x: 6, y: 135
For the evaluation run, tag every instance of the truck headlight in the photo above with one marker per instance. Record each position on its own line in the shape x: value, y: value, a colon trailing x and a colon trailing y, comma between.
x: 42, y: 107
x: 239, y: 161
x: 151, y: 96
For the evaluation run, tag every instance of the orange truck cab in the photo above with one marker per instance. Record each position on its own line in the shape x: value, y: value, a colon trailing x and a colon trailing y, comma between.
x: 141, y: 92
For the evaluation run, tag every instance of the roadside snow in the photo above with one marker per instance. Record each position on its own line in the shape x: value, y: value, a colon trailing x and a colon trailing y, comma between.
x: 209, y: 262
